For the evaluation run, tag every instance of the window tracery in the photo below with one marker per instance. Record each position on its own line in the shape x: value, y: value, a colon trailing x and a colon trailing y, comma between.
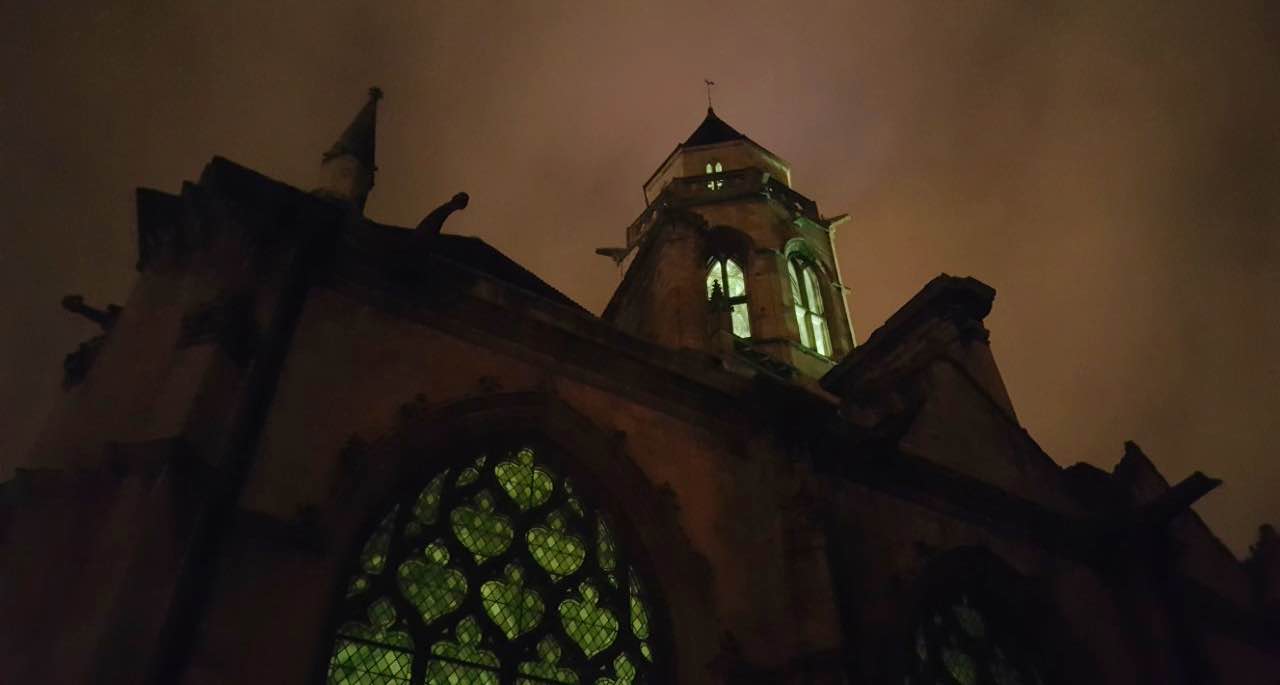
x: 495, y: 572
x: 806, y: 293
x: 960, y: 642
x: 724, y: 273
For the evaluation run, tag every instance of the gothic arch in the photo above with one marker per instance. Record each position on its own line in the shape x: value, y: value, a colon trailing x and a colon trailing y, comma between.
x: 972, y: 619
x: 432, y: 439
x: 729, y: 242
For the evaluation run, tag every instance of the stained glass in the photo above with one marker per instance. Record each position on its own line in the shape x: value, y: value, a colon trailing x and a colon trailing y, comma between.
x: 481, y: 530
x: 471, y: 474
x: 462, y: 662
x: 970, y: 620
x: 606, y: 554
x: 374, y: 556
x: 623, y: 672
x: 639, y: 616
x: 359, y: 584
x: 563, y: 568
x: 372, y: 653
x: 527, y: 484
x: 556, y: 550
x: 515, y: 609
x: 592, y: 627
x: 430, y: 585
x: 545, y: 668
x: 961, y: 645
x: 427, y: 506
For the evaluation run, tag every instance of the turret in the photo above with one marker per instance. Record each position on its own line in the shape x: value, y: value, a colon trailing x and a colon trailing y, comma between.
x: 347, y: 169
x: 722, y: 216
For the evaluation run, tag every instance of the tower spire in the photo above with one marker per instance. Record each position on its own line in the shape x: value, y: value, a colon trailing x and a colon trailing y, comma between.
x: 348, y: 167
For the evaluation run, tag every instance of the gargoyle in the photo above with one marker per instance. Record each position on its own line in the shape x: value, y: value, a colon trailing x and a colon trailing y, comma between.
x: 105, y: 318
x: 430, y: 226
x: 76, y: 365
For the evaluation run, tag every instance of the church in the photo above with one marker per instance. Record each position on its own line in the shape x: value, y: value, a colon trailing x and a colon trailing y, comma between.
x: 312, y: 448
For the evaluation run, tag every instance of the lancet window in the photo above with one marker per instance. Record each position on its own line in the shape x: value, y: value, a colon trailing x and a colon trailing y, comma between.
x: 726, y: 275
x: 497, y: 571
x: 806, y: 294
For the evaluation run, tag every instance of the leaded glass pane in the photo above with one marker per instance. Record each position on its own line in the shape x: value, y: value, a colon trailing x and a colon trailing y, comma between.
x: 374, y: 556
x: 463, y: 662
x: 544, y: 562
x: 593, y: 627
x: 802, y: 319
x: 471, y: 474
x: 639, y: 616
x: 714, y: 277
x: 737, y: 280
x: 741, y: 320
x: 545, y: 669
x: 813, y: 293
x: 606, y: 553
x: 527, y: 484
x: 556, y: 550
x: 960, y: 666
x: 821, y: 342
x: 430, y: 585
x: 372, y: 653
x: 796, y: 295
x: 513, y: 608
x: 624, y: 672
x: 481, y: 530
x: 427, y: 506
x: 960, y: 645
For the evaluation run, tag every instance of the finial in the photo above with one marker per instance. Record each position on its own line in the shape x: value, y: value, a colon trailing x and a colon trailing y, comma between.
x: 375, y: 93
x: 709, y: 83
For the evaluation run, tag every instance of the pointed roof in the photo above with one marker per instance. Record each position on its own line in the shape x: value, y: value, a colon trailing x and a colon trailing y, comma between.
x: 713, y: 130
x: 359, y: 138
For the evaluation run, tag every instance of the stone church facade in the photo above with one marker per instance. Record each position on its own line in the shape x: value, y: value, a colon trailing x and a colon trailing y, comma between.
x: 312, y: 448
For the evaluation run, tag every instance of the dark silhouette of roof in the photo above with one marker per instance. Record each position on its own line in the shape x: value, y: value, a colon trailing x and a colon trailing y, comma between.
x: 713, y: 130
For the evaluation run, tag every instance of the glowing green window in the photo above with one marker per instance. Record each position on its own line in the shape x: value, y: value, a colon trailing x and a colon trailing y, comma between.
x: 498, y: 567
x: 957, y: 643
x: 806, y: 297
x: 725, y: 274
x: 714, y: 167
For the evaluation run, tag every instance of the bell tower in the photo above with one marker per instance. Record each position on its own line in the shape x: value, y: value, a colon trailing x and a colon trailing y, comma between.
x: 727, y: 258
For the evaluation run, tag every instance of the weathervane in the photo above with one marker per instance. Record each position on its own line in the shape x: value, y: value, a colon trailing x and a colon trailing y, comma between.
x: 709, y: 83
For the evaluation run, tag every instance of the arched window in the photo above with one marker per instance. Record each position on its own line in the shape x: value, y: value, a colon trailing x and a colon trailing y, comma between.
x: 958, y: 641
x: 495, y: 572
x: 714, y: 167
x: 807, y: 295
x: 725, y: 273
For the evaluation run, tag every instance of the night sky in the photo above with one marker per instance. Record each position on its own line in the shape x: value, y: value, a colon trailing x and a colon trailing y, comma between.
x: 1112, y: 169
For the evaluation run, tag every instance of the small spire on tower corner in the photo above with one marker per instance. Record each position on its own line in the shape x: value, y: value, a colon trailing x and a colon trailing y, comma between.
x: 348, y: 167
